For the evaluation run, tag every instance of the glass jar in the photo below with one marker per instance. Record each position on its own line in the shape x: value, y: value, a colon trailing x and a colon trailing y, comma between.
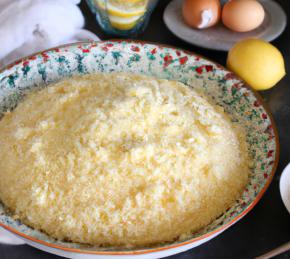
x: 122, y: 17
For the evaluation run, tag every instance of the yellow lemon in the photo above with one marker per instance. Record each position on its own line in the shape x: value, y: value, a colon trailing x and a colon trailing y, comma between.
x: 257, y: 62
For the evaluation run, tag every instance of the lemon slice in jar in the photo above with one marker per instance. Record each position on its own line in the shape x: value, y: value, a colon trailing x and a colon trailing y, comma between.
x: 127, y: 9
x: 122, y: 23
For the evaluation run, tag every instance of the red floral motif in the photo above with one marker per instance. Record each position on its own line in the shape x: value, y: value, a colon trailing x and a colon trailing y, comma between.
x: 264, y: 116
x: 209, y: 68
x: 25, y: 63
x: 167, y: 60
x: 84, y: 50
x: 197, y: 58
x: 237, y: 86
x: 269, y: 129
x: 220, y: 67
x: 178, y: 53
x: 199, y: 69
x: 265, y: 176
x: 270, y: 153
x: 153, y: 51
x: 257, y: 103
x: 229, y: 76
x: 243, y: 204
x: 271, y: 162
x: 183, y: 60
x: 45, y: 57
x: 104, y: 48
x: 109, y: 45
x: 135, y: 48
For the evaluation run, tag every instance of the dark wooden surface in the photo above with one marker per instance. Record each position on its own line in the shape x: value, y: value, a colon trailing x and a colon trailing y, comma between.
x: 268, y: 224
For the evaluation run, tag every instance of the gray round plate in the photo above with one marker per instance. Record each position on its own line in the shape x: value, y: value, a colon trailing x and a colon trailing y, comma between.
x: 219, y: 37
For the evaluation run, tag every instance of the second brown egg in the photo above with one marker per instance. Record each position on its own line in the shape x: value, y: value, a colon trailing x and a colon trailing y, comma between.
x: 243, y: 15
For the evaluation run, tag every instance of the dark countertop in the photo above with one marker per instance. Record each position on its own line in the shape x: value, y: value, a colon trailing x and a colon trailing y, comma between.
x: 268, y: 224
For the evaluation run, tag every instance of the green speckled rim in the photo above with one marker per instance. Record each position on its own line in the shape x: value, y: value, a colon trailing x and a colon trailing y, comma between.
x: 242, y: 104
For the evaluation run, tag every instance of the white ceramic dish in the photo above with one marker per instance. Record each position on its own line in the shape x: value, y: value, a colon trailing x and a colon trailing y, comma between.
x: 219, y: 37
x: 7, y: 238
x: 285, y: 187
x: 239, y: 101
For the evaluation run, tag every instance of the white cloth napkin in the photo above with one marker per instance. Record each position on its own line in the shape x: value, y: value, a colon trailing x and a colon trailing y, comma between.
x: 28, y: 26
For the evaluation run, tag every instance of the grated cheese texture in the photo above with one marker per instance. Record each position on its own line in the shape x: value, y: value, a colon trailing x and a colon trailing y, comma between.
x: 120, y: 160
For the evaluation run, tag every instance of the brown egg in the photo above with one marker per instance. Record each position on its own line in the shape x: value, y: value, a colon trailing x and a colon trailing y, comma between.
x: 243, y: 15
x: 201, y: 14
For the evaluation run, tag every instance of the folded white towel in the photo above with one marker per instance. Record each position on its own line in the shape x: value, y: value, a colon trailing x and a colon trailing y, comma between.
x: 28, y: 26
